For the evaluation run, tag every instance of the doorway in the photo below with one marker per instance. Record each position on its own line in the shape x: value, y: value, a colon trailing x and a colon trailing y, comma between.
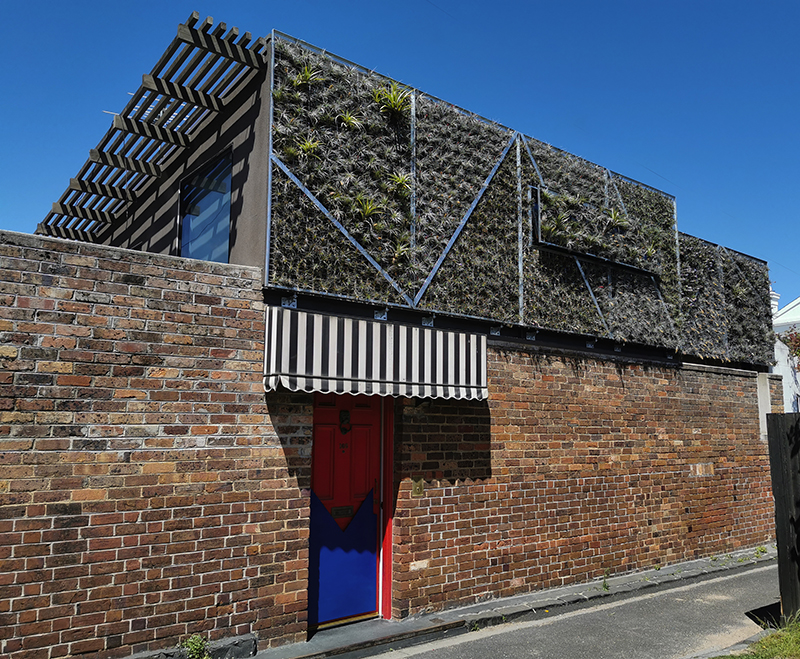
x: 350, y: 531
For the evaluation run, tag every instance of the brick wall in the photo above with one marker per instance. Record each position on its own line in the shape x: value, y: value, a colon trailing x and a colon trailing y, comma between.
x: 578, y: 466
x: 148, y: 488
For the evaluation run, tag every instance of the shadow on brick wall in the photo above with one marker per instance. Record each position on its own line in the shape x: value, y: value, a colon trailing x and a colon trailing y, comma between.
x: 292, y: 416
x: 446, y: 440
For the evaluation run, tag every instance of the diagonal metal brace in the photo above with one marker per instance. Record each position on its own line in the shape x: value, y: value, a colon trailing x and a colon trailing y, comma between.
x: 664, y: 305
x: 594, y: 299
x: 341, y: 228
x: 533, y: 161
x: 619, y: 195
x: 464, y: 221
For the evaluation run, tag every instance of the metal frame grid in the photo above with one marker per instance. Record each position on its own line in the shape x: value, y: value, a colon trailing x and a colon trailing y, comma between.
x: 413, y: 298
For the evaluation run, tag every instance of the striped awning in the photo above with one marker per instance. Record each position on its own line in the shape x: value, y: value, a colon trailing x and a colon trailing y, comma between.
x: 331, y: 354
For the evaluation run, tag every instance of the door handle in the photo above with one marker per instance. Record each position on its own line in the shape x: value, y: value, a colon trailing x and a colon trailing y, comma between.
x: 376, y: 498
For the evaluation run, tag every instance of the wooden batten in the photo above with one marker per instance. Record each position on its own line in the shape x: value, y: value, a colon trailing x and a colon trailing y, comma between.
x: 203, y: 64
x: 57, y: 231
x: 83, y: 213
x: 225, y: 46
x: 185, y: 94
x: 122, y: 162
x: 101, y: 189
x: 151, y: 131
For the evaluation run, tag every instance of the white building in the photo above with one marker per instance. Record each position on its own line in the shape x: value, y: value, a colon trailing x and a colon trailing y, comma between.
x: 786, y: 365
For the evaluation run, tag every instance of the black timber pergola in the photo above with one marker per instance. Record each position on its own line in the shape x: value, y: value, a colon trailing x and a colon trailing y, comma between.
x: 191, y: 83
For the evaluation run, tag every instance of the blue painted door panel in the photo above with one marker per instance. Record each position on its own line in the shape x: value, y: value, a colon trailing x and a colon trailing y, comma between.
x: 342, y: 577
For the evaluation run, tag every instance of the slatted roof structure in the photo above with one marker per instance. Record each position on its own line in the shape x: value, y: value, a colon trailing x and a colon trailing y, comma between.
x: 202, y: 69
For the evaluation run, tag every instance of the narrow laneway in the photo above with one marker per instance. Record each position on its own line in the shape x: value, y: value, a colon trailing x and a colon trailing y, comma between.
x: 670, y: 624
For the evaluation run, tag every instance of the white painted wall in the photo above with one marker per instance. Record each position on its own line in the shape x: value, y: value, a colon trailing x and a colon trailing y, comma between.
x: 786, y: 366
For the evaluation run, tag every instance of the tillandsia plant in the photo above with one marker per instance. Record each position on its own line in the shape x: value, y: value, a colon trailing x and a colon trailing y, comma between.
x: 631, y: 306
x: 394, y: 101
x: 455, y: 152
x: 747, y: 288
x: 480, y: 276
x: 481, y: 200
x: 587, y: 209
x: 703, y: 312
x: 340, y: 145
x: 350, y: 120
x: 725, y: 308
x: 401, y: 182
x: 557, y: 295
x: 367, y: 208
x: 308, y: 146
x: 307, y: 76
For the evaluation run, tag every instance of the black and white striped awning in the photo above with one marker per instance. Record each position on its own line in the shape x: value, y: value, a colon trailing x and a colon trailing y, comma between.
x: 329, y: 354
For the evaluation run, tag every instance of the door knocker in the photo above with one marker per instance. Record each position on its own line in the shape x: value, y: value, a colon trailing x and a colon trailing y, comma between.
x: 344, y: 421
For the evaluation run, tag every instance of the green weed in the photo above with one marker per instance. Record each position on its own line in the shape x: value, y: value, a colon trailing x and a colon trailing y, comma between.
x: 196, y: 647
x: 782, y: 644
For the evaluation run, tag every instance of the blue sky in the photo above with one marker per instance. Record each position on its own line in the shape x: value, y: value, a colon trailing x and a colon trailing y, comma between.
x: 699, y: 98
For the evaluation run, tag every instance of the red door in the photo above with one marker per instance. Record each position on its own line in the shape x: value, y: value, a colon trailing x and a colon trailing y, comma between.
x: 345, y: 508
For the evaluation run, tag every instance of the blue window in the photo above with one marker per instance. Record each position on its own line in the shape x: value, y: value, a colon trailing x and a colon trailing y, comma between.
x: 206, y: 212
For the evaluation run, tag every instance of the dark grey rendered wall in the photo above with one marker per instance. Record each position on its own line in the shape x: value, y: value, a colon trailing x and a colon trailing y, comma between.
x: 151, y: 224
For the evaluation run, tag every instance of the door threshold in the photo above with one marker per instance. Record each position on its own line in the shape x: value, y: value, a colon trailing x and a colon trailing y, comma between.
x: 342, y: 621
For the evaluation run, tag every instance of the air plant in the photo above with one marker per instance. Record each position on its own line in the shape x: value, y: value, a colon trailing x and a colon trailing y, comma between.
x: 366, y: 208
x: 347, y: 180
x: 617, y: 220
x: 393, y: 101
x: 401, y: 249
x: 308, y: 75
x: 351, y: 121
x: 308, y: 147
x: 401, y: 181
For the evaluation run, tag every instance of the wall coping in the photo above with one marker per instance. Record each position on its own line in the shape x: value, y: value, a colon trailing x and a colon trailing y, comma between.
x: 727, y: 370
x: 19, y: 239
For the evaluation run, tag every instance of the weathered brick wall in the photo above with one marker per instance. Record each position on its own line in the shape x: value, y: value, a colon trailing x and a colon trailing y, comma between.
x: 150, y: 490
x: 148, y: 487
x: 579, y: 466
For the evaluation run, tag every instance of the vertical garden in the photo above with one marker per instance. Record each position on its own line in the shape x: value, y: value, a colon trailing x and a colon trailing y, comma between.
x: 382, y: 193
